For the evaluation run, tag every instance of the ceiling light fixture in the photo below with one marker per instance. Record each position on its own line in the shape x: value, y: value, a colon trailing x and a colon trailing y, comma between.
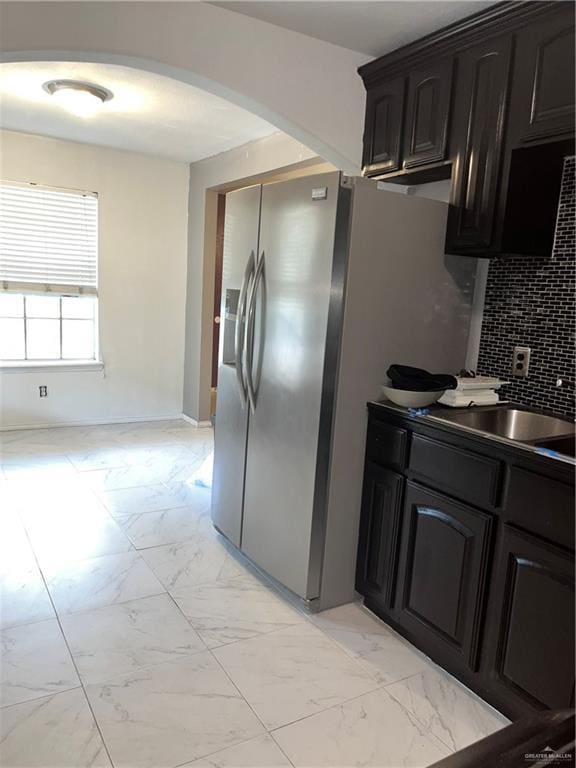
x: 78, y: 98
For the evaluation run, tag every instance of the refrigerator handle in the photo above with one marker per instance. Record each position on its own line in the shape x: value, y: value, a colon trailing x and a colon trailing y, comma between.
x: 238, y: 330
x: 249, y: 340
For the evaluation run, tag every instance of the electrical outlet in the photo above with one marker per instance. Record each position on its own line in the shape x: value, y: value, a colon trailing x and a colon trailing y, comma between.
x: 521, y: 361
x: 43, y: 390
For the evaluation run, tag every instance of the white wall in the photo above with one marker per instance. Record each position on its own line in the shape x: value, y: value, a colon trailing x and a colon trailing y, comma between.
x: 142, y: 284
x: 256, y: 159
x: 306, y: 87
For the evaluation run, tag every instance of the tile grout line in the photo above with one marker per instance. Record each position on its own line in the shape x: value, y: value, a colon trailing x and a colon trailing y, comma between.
x: 232, y: 746
x: 209, y: 650
x: 232, y: 642
x: 266, y: 730
x: 57, y: 616
x: 302, y: 615
x: 5, y: 707
x: 70, y: 652
x: 412, y: 716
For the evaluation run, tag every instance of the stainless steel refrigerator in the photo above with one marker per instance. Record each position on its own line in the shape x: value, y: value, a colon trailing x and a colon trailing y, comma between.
x: 326, y: 281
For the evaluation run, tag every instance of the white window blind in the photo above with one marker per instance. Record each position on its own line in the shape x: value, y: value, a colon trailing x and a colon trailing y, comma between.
x: 48, y: 239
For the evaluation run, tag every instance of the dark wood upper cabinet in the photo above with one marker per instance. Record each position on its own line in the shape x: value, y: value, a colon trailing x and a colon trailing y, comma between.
x: 531, y: 649
x: 383, y: 133
x: 427, y: 114
x: 379, y: 534
x: 544, y: 77
x: 481, y: 99
x: 469, y: 102
x: 443, y: 570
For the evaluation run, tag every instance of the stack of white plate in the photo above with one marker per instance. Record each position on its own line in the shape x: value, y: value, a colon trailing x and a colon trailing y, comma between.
x: 477, y: 390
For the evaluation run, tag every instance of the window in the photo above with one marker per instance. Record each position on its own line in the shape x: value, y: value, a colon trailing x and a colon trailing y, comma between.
x: 48, y: 274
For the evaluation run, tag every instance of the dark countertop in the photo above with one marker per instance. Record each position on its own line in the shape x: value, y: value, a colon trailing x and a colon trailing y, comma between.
x: 432, y: 418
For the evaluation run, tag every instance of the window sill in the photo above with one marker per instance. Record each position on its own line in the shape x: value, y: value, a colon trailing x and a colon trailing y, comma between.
x: 52, y: 366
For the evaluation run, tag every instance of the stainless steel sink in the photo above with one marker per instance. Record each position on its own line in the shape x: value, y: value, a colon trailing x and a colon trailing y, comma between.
x: 511, y: 423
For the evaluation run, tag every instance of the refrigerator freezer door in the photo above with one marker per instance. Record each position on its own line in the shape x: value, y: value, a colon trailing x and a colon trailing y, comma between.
x: 291, y: 305
x: 240, y: 240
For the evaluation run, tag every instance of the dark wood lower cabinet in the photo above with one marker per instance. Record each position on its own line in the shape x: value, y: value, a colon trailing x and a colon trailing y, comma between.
x: 445, y: 546
x: 379, y: 534
x: 531, y: 647
x: 483, y: 583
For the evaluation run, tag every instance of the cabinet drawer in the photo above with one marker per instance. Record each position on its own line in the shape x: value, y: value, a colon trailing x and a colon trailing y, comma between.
x: 466, y: 475
x: 540, y: 505
x: 387, y: 445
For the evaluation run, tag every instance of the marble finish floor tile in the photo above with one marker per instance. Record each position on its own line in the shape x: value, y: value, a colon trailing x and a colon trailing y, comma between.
x: 153, y: 473
x: 23, y: 595
x: 352, y: 617
x: 155, y: 529
x: 53, y: 732
x: 372, y: 731
x: 292, y: 673
x: 85, y: 584
x: 25, y: 443
x: 98, y: 459
x: 14, y: 544
x: 172, y: 713
x: 387, y: 657
x: 34, y: 662
x: 120, y: 639
x: 151, y: 454
x: 120, y: 478
x: 202, y: 443
x: 26, y: 469
x: 237, y: 609
x: 341, y: 688
x: 70, y: 536
x: 146, y: 498
x: 446, y: 708
x: 261, y: 752
x: 189, y: 563
x: 190, y: 495
x: 55, y: 499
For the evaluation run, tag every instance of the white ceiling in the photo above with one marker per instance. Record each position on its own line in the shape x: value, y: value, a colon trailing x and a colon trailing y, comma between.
x: 374, y: 28
x: 149, y: 113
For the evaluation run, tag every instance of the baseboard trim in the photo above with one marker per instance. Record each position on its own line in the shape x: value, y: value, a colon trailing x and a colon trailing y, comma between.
x: 93, y: 422
x: 195, y: 422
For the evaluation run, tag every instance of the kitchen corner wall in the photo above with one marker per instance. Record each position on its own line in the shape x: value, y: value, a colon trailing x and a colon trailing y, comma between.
x: 530, y: 302
x: 142, y: 283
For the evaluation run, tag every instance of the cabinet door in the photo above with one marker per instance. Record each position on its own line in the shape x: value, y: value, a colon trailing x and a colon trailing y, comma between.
x: 544, y: 76
x: 480, y: 106
x: 531, y: 645
x: 427, y: 114
x: 383, y: 131
x: 379, y: 528
x: 443, y: 568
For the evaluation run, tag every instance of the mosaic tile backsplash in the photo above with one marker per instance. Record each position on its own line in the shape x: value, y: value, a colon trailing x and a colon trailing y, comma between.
x: 531, y: 302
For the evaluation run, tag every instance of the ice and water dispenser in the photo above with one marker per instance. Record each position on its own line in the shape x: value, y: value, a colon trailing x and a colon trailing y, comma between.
x: 230, y: 311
